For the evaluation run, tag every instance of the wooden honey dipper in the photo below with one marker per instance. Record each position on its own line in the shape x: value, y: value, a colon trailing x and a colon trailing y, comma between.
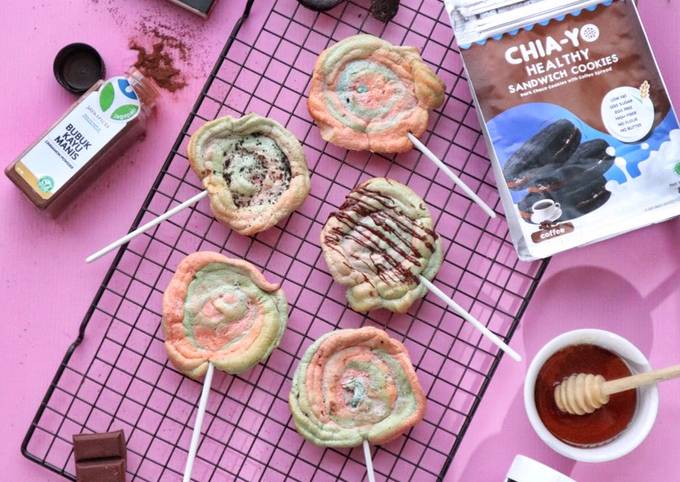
x: 583, y: 393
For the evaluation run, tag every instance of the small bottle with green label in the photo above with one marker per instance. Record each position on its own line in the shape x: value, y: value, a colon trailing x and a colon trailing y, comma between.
x: 106, y: 120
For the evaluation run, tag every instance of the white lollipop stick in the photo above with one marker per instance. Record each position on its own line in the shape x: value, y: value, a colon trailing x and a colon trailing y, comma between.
x: 471, y: 319
x: 195, y: 436
x: 458, y: 181
x: 369, y: 462
x: 146, y: 227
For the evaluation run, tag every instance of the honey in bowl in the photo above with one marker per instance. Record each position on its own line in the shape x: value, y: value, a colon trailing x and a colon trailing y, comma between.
x: 593, y: 429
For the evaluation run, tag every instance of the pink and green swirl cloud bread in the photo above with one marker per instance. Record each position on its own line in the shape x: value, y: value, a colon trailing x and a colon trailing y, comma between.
x: 368, y: 94
x: 222, y: 311
x: 355, y: 385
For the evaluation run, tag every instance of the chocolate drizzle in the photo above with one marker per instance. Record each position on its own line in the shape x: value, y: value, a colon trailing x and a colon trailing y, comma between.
x: 376, y: 222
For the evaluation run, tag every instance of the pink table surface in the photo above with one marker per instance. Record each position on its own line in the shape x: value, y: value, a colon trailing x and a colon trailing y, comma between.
x: 628, y: 285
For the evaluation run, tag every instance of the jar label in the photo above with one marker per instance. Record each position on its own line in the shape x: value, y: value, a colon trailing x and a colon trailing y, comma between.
x: 77, y: 138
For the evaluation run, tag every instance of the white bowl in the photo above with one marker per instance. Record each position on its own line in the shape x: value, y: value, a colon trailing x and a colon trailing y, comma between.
x: 645, y: 412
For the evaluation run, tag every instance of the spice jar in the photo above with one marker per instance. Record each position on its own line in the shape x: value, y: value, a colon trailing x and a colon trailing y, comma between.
x: 106, y: 120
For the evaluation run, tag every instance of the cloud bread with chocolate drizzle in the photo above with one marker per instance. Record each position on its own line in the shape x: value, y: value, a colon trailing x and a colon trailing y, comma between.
x: 222, y: 311
x: 368, y: 94
x: 254, y: 169
x: 379, y: 243
x: 355, y: 385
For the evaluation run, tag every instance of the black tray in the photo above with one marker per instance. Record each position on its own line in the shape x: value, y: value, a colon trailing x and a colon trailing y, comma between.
x: 116, y: 373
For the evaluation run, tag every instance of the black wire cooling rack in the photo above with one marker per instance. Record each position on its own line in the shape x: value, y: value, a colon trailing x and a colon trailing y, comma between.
x: 116, y: 374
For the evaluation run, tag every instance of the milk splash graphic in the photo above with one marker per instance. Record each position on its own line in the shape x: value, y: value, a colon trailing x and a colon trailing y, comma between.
x: 656, y: 185
x: 657, y: 171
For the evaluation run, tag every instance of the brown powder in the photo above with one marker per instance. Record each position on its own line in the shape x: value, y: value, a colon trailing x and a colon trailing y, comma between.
x: 162, y: 32
x: 159, y: 64
x: 162, y: 53
x: 162, y: 41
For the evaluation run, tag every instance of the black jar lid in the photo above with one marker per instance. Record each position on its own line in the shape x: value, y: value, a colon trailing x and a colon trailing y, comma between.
x: 77, y: 67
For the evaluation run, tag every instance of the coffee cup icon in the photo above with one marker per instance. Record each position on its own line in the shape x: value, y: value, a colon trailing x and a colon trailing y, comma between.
x: 545, y: 211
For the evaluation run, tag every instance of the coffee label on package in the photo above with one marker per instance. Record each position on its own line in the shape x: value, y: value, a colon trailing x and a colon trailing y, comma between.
x: 581, y: 130
x: 79, y: 136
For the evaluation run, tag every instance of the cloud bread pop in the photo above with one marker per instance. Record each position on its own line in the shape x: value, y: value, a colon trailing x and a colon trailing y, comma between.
x: 254, y: 169
x: 353, y: 386
x: 221, y: 311
x: 368, y: 94
x: 378, y: 245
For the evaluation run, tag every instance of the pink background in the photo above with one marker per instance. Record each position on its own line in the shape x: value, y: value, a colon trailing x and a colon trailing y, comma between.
x: 628, y: 285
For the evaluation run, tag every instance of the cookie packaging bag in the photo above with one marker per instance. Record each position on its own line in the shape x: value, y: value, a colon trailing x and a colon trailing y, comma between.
x: 582, y: 135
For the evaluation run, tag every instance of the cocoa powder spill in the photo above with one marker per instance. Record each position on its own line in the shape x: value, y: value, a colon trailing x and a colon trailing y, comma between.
x: 158, y: 64
x: 161, y: 40
x: 161, y: 53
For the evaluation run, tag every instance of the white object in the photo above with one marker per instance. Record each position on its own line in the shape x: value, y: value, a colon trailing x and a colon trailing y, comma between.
x: 648, y: 396
x: 142, y: 229
x: 524, y: 469
x: 476, y: 7
x: 369, y: 462
x: 545, y: 210
x: 196, y: 434
x: 471, y: 319
x: 469, y: 192
x: 474, y: 21
x: 639, y: 118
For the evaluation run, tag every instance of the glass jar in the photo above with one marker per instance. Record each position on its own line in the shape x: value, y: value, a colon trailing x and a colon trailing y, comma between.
x: 106, y: 120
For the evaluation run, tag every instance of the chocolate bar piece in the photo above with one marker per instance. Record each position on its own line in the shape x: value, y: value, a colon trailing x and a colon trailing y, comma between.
x: 104, y: 470
x: 199, y: 7
x: 100, y: 457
